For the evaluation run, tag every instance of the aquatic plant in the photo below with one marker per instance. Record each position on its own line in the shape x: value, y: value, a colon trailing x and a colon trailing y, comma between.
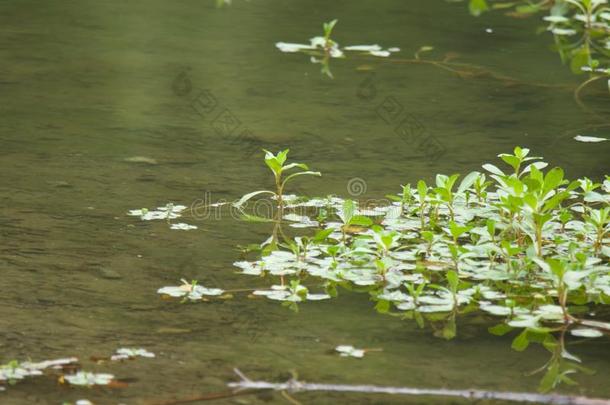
x: 580, y: 29
x: 350, y: 351
x: 14, y: 371
x: 131, y: 353
x: 322, y: 48
x: 88, y: 379
x: 167, y: 213
x: 526, y: 246
x: 278, y: 166
x: 189, y: 291
x: 520, y: 243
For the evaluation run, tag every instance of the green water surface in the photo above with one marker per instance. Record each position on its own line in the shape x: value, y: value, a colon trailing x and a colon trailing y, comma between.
x: 87, y: 85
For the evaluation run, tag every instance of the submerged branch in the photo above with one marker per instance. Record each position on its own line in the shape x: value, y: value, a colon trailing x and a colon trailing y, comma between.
x: 578, y: 99
x: 467, y: 70
x: 296, y: 386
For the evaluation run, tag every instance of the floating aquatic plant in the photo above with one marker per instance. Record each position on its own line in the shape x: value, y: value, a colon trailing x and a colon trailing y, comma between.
x: 190, y: 291
x: 182, y: 226
x: 322, y: 48
x: 131, y: 353
x: 167, y: 213
x: 15, y: 371
x: 293, y: 293
x: 87, y: 379
x: 521, y: 244
x: 350, y: 351
x: 593, y: 139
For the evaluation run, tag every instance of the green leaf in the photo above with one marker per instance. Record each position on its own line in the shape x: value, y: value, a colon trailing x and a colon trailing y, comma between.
x: 422, y: 190
x: 457, y: 230
x: 347, y: 211
x: 272, y: 162
x: 477, y: 7
x: 293, y: 175
x: 321, y: 236
x: 450, y: 329
x: 281, y: 156
x: 468, y: 181
x: 500, y: 329
x: 549, y: 381
x: 521, y: 342
x: 382, y: 306
x: 527, y: 9
x: 249, y: 196
x: 553, y: 179
x: 513, y: 161
x: 453, y: 280
x: 292, y: 165
x: 580, y: 59
x: 361, y: 220
x: 493, y: 169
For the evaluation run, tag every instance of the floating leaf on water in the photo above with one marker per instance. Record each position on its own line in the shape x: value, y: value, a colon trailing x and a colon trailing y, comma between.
x: 130, y: 353
x: 563, y: 31
x: 289, y: 47
x: 349, y: 351
x: 382, y: 54
x: 363, y: 48
x: 183, y: 227
x: 581, y: 138
x: 586, y: 332
x: 496, y: 310
x: 191, y: 291
x: 555, y: 18
x: 248, y: 268
x: 550, y: 312
x: 58, y: 363
x: 298, y: 293
x: 87, y: 379
x: 317, y: 297
x: 17, y: 371
x: 14, y: 371
x: 169, y: 211
x: 301, y: 221
x: 395, y: 296
x: 525, y: 321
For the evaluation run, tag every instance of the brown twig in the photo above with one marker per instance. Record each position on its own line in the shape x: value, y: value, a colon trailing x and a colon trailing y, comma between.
x: 294, y: 385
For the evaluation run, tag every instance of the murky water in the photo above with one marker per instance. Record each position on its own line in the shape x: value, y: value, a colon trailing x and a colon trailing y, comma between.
x: 86, y: 85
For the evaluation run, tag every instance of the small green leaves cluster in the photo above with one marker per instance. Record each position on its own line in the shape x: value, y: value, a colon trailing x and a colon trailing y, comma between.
x: 279, y: 167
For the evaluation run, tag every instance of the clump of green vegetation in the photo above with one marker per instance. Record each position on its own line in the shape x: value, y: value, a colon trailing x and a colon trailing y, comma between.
x: 522, y: 244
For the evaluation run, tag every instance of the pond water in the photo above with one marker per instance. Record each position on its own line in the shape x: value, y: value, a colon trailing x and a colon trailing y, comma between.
x: 89, y: 88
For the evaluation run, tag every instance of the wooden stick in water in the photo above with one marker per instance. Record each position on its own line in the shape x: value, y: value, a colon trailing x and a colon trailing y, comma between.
x: 295, y: 386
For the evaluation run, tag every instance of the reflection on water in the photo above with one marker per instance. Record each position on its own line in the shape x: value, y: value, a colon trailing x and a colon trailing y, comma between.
x: 85, y: 87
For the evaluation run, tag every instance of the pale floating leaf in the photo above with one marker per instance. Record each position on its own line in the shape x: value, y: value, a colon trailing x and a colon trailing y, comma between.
x: 586, y: 332
x: 349, y: 351
x: 581, y: 138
